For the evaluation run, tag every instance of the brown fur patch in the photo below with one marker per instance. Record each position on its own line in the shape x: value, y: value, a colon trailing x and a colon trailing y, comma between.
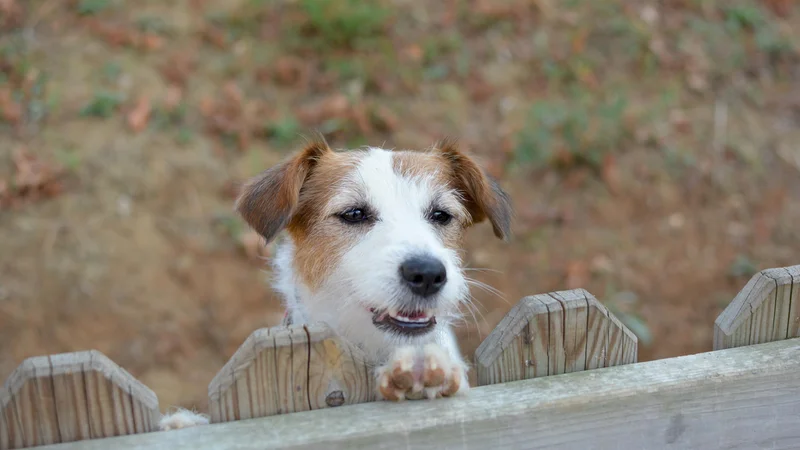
x: 483, y: 195
x: 321, y: 239
x: 413, y: 164
x: 269, y: 200
x: 294, y: 195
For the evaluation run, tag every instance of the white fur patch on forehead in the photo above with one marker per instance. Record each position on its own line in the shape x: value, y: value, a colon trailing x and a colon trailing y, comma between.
x: 393, y: 193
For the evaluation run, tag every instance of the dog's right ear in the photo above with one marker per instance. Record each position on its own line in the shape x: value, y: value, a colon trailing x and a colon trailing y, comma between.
x: 268, y: 201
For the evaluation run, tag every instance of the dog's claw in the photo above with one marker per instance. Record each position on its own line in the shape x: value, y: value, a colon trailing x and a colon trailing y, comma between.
x: 414, y: 373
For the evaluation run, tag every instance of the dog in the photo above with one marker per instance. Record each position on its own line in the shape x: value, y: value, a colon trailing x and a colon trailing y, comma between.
x: 371, y: 246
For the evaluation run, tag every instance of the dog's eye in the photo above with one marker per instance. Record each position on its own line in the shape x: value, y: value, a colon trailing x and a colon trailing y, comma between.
x: 354, y: 215
x: 441, y: 217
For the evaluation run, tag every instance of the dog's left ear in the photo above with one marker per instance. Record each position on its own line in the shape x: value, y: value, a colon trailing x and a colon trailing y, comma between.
x: 483, y: 195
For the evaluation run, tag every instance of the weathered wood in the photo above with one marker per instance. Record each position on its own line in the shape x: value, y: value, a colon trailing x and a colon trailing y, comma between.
x: 337, y: 374
x: 72, y: 397
x: 746, y: 397
x: 288, y: 369
x: 550, y: 334
x: 766, y: 309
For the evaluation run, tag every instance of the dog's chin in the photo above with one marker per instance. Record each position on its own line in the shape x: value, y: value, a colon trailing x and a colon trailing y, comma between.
x: 404, y: 323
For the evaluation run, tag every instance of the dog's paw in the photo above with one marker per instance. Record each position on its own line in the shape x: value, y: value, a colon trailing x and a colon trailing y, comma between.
x: 414, y: 372
x: 182, y: 418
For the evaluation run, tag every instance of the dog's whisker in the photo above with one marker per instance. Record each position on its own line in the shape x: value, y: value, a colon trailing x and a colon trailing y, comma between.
x: 487, y: 288
x: 480, y: 269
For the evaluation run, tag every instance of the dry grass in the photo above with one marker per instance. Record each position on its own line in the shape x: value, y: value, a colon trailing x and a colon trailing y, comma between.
x: 651, y: 152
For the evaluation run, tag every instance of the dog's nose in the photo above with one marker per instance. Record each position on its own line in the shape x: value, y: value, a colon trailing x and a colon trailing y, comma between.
x: 425, y: 275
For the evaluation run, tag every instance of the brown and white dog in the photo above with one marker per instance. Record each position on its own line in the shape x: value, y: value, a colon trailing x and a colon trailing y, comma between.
x: 372, y: 248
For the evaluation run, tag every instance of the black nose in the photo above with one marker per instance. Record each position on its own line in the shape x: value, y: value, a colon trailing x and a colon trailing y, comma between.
x: 425, y: 275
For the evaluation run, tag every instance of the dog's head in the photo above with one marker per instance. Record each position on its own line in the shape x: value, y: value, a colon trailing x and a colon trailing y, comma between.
x: 377, y: 233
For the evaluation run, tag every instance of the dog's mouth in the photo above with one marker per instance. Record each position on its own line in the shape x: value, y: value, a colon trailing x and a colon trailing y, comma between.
x: 409, y: 323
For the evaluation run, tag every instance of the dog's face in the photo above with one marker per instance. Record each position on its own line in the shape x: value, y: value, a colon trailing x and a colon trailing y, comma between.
x: 377, y: 233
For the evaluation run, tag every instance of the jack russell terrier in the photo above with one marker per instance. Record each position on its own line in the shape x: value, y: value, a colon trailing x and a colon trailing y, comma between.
x: 372, y: 248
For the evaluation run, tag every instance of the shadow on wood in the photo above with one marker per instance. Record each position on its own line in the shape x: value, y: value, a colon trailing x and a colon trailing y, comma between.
x: 71, y: 397
x: 550, y: 334
x: 767, y: 309
x: 289, y: 369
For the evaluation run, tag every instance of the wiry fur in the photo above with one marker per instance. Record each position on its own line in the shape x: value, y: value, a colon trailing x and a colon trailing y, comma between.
x: 337, y: 273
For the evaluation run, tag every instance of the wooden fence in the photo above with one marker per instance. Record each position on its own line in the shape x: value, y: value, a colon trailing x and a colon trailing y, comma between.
x: 559, y: 371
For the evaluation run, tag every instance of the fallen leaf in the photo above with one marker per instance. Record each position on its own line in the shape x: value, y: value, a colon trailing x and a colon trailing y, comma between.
x: 532, y: 217
x: 330, y: 107
x: 112, y: 33
x: 611, y: 174
x: 680, y: 121
x: 781, y: 8
x: 140, y: 114
x: 233, y: 94
x: 10, y: 13
x: 206, y: 106
x: 173, y: 98
x: 5, y: 193
x: 602, y: 264
x: 478, y: 88
x: 178, y: 67
x: 413, y: 52
x: 579, y: 41
x: 10, y: 110
x: 33, y: 179
x: 578, y: 275
x: 361, y: 118
x: 151, y: 41
x: 214, y: 36
x: 324, y: 82
x: 290, y: 70
x: 384, y: 119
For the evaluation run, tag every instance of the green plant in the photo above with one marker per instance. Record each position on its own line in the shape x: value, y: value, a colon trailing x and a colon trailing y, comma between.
x: 185, y: 135
x: 744, y: 16
x: 344, y: 23
x: 742, y: 266
x: 284, y: 131
x: 111, y: 71
x: 91, y: 7
x: 104, y: 104
x: 68, y: 158
x: 582, y: 128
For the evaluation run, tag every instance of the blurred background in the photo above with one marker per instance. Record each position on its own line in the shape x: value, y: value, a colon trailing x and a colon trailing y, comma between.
x: 651, y: 149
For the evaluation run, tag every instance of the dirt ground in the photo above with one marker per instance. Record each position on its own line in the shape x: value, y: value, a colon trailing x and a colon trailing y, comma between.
x: 651, y: 150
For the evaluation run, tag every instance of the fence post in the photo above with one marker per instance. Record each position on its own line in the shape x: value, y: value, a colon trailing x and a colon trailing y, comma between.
x: 767, y: 309
x: 288, y: 369
x: 554, y: 333
x: 71, y: 397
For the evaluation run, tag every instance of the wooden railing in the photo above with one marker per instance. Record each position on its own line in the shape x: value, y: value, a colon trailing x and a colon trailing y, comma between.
x: 559, y: 371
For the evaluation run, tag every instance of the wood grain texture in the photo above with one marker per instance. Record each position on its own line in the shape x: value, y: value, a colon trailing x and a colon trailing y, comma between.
x: 507, y: 341
x: 72, y: 397
x: 550, y: 334
x: 765, y: 310
x: 337, y: 373
x: 289, y: 369
x: 747, y: 397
